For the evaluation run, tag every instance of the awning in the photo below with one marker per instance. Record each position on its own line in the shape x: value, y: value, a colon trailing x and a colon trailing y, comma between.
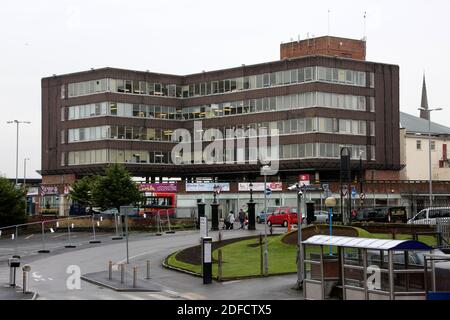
x: 367, y: 243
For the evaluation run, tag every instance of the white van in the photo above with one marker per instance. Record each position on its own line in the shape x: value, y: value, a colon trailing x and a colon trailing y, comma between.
x: 429, y: 215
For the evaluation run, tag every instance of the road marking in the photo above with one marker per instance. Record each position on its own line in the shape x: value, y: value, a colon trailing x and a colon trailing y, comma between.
x: 192, y: 296
x: 59, y: 235
x: 172, y: 293
x: 230, y: 282
x: 29, y: 237
x: 160, y: 296
x: 132, y: 297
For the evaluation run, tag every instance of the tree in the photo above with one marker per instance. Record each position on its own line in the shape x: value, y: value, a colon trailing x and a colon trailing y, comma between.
x: 12, y: 204
x: 82, y: 191
x: 116, y: 189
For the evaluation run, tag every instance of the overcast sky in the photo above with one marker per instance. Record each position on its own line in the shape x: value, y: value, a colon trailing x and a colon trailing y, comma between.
x: 41, y: 38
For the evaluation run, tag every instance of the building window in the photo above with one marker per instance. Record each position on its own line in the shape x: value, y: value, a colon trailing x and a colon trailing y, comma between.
x: 63, y: 91
x: 63, y: 159
x: 419, y: 144
x: 433, y: 145
x: 63, y: 140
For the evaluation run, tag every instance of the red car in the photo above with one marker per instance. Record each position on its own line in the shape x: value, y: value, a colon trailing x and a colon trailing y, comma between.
x: 282, y: 215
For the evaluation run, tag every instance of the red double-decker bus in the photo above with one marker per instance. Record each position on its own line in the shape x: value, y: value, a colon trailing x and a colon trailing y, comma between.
x: 161, y: 202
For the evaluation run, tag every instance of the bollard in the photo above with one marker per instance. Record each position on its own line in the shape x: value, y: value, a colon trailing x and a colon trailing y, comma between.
x: 148, y: 269
x: 26, y: 270
x: 93, y: 230
x: 110, y: 269
x: 219, y: 265
x: 44, y: 250
x: 122, y: 273
x: 70, y: 245
x: 135, y: 269
x: 261, y: 254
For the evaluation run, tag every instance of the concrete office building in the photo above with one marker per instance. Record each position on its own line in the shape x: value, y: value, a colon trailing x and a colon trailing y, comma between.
x: 321, y: 95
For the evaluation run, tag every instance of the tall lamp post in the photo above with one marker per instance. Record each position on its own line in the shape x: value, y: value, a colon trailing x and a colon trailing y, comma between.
x: 17, y: 122
x: 266, y: 250
x: 24, y: 181
x: 429, y: 151
x: 300, y: 269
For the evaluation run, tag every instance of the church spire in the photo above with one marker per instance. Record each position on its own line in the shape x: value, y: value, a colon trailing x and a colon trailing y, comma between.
x: 424, y: 102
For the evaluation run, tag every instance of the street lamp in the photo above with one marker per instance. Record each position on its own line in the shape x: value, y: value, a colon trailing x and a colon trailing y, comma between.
x: 264, y: 171
x: 250, y: 186
x: 300, y: 271
x: 429, y: 150
x: 330, y: 202
x: 17, y: 122
x: 24, y: 181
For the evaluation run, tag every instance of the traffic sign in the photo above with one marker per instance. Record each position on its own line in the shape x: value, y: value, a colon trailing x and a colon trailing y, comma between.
x: 268, y: 191
x: 362, y: 196
x: 353, y: 192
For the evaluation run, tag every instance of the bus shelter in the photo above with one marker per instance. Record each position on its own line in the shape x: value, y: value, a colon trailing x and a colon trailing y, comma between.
x: 364, y: 268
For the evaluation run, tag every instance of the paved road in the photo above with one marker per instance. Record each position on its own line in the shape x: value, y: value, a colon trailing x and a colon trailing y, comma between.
x: 49, y: 271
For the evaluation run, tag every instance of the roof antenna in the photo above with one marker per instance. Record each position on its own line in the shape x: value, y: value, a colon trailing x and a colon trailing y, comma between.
x: 329, y: 21
x: 365, y: 30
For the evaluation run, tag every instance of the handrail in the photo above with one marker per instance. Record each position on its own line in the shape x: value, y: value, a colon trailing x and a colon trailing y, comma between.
x: 43, y: 221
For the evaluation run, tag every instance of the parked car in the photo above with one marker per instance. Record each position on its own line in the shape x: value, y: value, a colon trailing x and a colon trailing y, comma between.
x: 282, y: 215
x: 382, y: 214
x: 262, y: 215
x: 430, y: 215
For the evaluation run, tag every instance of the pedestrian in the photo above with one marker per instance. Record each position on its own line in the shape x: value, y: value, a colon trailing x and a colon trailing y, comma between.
x: 241, y: 218
x: 229, y: 221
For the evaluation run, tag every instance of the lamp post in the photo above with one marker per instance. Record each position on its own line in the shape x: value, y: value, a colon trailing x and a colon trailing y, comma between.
x: 17, y: 122
x: 266, y: 250
x: 330, y: 202
x: 24, y: 181
x: 251, y: 210
x: 300, y: 270
x: 250, y: 186
x: 429, y: 151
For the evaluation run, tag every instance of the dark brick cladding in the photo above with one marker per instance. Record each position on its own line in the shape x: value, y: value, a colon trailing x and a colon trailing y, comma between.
x: 386, y: 117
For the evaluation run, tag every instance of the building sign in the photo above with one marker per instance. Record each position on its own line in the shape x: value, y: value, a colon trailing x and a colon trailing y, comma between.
x: 49, y: 190
x: 206, y: 187
x: 304, y: 180
x: 158, y: 187
x: 259, y: 186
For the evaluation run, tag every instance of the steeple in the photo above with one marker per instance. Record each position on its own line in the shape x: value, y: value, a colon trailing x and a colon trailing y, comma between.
x: 424, y: 102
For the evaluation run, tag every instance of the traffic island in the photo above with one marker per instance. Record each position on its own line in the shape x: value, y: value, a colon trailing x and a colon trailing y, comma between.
x: 102, y: 279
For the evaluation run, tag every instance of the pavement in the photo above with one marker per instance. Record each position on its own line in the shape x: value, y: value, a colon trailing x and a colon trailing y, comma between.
x: 57, y: 275
x: 15, y: 293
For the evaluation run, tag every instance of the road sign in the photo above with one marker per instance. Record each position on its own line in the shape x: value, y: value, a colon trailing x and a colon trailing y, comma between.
x: 203, y: 227
x: 268, y: 191
x: 362, y: 196
x: 353, y: 192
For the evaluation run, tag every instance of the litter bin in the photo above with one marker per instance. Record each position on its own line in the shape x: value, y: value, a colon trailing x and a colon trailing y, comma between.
x: 13, y: 264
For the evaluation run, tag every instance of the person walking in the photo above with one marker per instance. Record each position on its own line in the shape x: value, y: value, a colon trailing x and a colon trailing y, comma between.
x: 241, y: 218
x: 229, y: 221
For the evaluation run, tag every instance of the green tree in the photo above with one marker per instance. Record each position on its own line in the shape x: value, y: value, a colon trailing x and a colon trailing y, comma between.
x: 82, y: 191
x: 116, y: 189
x: 12, y: 204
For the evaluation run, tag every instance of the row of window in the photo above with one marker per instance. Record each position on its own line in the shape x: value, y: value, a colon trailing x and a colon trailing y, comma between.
x: 292, y: 151
x: 279, y: 78
x: 122, y: 110
x: 292, y: 126
x: 294, y: 101
x: 266, y: 80
x: 323, y: 150
x: 119, y: 132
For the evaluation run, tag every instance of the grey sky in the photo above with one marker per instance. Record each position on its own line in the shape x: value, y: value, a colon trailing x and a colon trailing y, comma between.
x: 40, y: 38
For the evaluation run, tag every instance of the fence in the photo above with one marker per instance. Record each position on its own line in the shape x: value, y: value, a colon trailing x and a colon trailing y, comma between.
x: 69, y: 232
